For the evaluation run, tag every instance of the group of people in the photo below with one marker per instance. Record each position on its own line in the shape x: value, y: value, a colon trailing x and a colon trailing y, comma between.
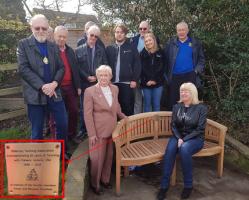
x: 112, y: 83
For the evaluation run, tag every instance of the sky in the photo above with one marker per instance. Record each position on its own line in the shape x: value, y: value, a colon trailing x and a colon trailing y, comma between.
x: 71, y: 7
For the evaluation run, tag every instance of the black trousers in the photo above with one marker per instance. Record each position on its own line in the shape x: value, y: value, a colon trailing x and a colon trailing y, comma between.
x: 175, y: 84
x: 126, y: 98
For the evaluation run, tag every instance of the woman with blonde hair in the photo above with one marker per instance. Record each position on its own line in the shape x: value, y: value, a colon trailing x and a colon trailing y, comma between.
x: 188, y: 127
x: 152, y: 73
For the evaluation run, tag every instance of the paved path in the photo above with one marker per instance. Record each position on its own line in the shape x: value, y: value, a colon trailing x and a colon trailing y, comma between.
x: 144, y: 184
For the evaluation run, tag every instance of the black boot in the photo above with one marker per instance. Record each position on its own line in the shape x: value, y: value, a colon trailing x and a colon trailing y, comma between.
x: 162, y: 194
x: 186, y: 193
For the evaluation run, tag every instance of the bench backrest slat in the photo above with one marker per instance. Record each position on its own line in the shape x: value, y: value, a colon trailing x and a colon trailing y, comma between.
x: 157, y: 124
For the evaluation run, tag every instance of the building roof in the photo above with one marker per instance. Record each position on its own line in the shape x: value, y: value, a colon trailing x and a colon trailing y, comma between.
x: 70, y: 20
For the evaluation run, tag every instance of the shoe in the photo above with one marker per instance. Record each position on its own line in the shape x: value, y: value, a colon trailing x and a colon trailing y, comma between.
x: 67, y: 156
x: 162, y: 194
x: 186, y: 193
x: 97, y: 191
x: 106, y: 185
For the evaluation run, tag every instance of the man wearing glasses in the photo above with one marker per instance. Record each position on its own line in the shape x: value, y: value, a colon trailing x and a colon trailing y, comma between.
x: 89, y: 56
x: 41, y: 71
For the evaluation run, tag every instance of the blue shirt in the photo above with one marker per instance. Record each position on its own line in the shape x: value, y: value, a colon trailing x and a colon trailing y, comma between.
x: 184, y: 59
x: 44, y: 53
x: 140, y: 44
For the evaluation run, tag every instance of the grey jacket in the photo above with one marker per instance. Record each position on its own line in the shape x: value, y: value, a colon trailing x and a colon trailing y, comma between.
x: 171, y: 51
x: 31, y: 69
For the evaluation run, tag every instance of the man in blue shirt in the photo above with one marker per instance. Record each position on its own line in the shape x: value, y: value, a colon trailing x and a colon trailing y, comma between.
x: 184, y: 61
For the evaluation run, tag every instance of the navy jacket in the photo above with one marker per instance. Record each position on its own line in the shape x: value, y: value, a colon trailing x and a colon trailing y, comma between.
x: 130, y: 65
x: 31, y: 69
x: 170, y: 52
x: 152, y: 68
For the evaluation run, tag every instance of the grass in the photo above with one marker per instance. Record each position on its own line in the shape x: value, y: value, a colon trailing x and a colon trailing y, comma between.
x: 14, y: 133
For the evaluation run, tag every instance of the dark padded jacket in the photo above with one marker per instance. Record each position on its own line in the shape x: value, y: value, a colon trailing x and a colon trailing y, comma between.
x: 130, y: 65
x: 189, y: 124
x: 171, y: 51
x: 31, y: 69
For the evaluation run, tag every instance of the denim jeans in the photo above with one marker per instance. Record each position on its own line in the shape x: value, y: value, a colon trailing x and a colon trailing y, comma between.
x: 152, y: 98
x: 186, y: 150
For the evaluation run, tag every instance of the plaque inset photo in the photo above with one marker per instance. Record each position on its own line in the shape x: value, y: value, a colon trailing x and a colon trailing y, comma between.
x: 33, y: 168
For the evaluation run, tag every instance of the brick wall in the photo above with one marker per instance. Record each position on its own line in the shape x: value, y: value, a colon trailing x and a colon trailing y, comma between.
x: 107, y: 36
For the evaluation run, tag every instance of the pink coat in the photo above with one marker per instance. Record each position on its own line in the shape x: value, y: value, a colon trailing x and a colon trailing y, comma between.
x: 100, y: 118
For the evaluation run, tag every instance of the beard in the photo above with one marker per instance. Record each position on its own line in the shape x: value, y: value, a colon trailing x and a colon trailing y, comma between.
x: 40, y: 38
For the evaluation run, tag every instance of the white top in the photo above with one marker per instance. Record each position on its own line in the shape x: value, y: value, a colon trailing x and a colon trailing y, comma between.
x: 108, y: 94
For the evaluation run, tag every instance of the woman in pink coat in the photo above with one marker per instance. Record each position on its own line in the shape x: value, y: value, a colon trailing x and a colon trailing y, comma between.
x: 101, y: 112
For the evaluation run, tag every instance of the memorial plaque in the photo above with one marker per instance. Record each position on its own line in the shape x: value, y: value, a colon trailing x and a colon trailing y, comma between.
x: 33, y: 168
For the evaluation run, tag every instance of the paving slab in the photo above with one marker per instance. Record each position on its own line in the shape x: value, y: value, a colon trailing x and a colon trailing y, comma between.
x: 144, y: 184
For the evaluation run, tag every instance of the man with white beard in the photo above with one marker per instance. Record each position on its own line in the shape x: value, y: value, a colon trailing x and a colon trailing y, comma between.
x: 42, y: 70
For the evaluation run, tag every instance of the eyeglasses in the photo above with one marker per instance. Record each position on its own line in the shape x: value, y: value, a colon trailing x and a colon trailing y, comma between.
x: 92, y: 35
x: 144, y: 29
x: 40, y: 28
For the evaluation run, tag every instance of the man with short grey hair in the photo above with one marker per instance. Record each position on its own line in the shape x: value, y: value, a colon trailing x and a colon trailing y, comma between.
x: 89, y: 56
x: 185, y: 62
x: 84, y: 38
x: 70, y: 85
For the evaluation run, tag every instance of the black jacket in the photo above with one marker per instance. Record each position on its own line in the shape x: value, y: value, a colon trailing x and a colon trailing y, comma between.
x: 84, y: 61
x: 130, y: 65
x: 171, y: 51
x: 189, y: 124
x: 74, y: 67
x: 152, y: 68
x: 31, y: 69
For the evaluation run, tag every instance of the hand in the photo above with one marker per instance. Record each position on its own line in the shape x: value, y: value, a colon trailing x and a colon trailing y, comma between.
x: 153, y: 82
x: 180, y: 142
x: 125, y: 119
x: 91, y: 79
x: 133, y: 84
x: 93, y: 140
x: 49, y: 89
x: 79, y: 91
x: 148, y: 83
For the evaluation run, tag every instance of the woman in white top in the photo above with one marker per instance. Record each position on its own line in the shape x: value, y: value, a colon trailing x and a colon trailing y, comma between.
x: 101, y: 111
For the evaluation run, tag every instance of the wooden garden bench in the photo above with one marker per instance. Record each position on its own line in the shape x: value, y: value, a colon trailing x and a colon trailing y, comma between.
x: 142, y: 139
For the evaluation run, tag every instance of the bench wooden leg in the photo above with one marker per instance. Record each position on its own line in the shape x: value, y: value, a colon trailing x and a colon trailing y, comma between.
x: 118, y: 175
x: 220, y: 164
x: 173, y: 176
x: 126, y: 171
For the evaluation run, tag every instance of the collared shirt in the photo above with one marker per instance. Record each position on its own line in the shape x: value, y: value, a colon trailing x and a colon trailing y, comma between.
x: 140, y: 44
